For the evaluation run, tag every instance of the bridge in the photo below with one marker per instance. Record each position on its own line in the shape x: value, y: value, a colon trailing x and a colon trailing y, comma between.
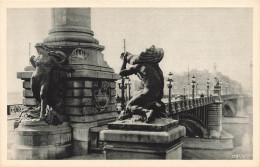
x: 202, y: 116
x: 233, y: 104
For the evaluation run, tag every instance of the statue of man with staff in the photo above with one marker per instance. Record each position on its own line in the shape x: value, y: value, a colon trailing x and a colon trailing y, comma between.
x: 147, y: 104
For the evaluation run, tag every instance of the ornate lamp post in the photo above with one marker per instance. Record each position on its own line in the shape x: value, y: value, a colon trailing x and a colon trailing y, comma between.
x: 184, y: 91
x: 193, y: 82
x: 129, y: 88
x: 126, y: 83
x: 170, y: 80
x: 122, y: 86
x: 220, y: 84
x: 208, y: 84
x: 226, y: 88
x: 197, y: 93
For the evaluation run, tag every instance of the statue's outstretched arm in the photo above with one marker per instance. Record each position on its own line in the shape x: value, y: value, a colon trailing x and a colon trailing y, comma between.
x: 129, y: 71
x: 124, y: 71
x: 32, y: 60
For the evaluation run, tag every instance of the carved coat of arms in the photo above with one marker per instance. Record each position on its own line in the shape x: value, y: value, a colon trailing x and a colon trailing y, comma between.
x: 101, y: 94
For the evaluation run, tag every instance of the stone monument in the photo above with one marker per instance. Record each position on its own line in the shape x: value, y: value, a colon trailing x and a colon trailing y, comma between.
x: 143, y: 130
x: 88, y: 89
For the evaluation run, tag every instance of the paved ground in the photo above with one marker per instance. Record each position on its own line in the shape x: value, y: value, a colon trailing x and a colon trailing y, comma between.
x: 88, y: 157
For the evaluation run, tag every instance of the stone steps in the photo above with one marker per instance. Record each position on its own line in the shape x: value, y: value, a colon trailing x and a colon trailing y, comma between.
x: 96, y: 146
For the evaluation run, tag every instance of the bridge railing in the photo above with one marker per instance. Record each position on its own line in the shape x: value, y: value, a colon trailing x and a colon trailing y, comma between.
x: 179, y: 106
x: 15, y: 109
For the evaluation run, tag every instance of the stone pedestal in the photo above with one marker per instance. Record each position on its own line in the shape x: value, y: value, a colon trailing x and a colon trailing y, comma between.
x: 86, y: 102
x: 35, y: 140
x: 157, y: 140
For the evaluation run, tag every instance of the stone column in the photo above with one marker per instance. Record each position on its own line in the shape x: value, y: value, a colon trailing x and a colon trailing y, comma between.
x: 215, y: 114
x: 90, y: 93
x: 132, y: 140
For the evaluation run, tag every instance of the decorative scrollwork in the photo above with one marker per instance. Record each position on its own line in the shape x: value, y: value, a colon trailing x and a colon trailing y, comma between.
x: 79, y: 54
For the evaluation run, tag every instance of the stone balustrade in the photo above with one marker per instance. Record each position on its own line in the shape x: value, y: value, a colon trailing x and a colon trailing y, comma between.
x: 188, y: 104
x: 15, y: 109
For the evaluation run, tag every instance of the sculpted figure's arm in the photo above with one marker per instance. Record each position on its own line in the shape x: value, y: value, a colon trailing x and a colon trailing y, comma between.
x: 124, y: 71
x: 62, y: 67
x: 32, y: 60
x: 57, y: 54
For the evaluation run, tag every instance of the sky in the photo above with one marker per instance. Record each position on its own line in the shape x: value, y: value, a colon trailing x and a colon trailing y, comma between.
x: 191, y: 37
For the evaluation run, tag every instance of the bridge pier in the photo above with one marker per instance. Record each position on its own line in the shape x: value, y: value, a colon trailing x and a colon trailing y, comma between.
x: 202, y: 118
x: 237, y: 120
x: 214, y: 119
x: 234, y: 105
x: 215, y: 113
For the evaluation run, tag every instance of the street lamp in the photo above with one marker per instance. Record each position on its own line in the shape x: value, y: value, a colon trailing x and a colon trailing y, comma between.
x: 220, y: 84
x: 193, y: 82
x: 170, y: 80
x: 197, y: 92
x: 184, y: 91
x: 129, y: 88
x: 226, y: 88
x: 122, y: 86
x: 208, y: 84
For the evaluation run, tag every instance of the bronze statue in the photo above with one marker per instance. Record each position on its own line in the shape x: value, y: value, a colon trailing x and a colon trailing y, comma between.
x: 147, y: 103
x: 47, y: 83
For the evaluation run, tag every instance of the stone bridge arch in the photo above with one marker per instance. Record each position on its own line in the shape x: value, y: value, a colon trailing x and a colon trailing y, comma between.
x: 194, y: 126
x: 229, y: 109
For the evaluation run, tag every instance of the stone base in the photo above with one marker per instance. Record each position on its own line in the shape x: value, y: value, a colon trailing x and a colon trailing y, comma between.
x: 82, y: 135
x: 162, y: 143
x: 35, y: 140
x: 174, y: 152
x: 96, y: 146
x: 235, y: 120
x: 222, y: 143
x: 41, y: 153
x: 80, y: 147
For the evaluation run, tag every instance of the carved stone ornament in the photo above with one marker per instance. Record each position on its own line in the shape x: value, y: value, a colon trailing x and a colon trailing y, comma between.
x: 101, y: 94
x: 79, y: 54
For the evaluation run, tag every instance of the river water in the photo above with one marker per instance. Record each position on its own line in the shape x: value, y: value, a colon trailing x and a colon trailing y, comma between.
x: 242, y: 130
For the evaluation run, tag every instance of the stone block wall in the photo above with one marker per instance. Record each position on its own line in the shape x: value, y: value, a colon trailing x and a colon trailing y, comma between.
x: 80, y: 107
